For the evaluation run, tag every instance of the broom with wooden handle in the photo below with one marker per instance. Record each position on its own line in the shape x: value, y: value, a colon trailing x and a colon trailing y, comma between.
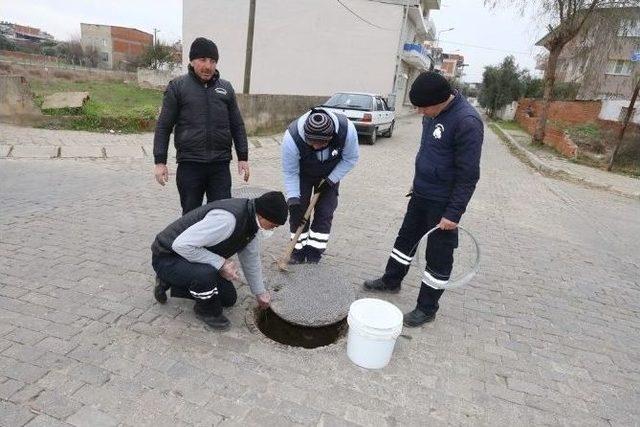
x: 284, y: 260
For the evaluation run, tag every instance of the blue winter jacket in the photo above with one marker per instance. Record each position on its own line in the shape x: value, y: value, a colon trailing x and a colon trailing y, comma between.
x: 448, y: 162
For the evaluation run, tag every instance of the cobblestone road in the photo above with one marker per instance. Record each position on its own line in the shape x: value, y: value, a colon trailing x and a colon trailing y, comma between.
x: 547, y: 333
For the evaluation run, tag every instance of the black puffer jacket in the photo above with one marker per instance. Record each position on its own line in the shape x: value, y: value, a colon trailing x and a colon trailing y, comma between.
x: 206, y: 119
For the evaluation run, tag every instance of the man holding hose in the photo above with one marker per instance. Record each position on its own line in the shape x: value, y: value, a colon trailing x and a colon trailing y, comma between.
x: 447, y: 169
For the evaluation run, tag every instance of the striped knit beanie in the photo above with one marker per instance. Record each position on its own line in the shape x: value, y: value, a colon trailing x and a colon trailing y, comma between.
x: 319, y: 126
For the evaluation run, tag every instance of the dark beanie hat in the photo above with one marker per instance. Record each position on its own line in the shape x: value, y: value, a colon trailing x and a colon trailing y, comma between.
x: 319, y: 126
x: 428, y: 89
x: 273, y: 207
x: 203, y: 48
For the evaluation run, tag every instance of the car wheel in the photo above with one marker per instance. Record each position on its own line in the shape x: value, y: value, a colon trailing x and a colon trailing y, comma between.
x: 373, y: 137
x: 389, y: 133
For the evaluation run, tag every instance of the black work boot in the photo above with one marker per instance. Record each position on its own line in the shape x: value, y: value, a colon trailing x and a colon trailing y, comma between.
x: 313, y: 255
x: 160, y: 291
x: 298, y: 256
x: 417, y: 317
x: 378, y: 285
x: 204, y: 311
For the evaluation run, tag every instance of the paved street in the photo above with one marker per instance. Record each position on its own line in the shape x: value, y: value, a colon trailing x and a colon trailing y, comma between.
x: 547, y: 333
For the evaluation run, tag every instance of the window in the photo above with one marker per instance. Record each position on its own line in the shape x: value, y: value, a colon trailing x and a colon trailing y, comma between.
x: 619, y: 67
x: 104, y: 56
x: 351, y: 101
x: 104, y: 42
x: 379, y: 105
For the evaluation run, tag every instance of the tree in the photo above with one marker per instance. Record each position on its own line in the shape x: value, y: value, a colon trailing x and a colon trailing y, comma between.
x: 6, y: 44
x: 71, y: 52
x: 90, y: 56
x: 48, y: 47
x: 158, y: 55
x: 566, y: 19
x: 501, y: 85
x: 627, y: 119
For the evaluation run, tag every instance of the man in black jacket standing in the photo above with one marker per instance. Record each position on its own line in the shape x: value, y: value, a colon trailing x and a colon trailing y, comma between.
x: 202, y: 110
x: 447, y: 169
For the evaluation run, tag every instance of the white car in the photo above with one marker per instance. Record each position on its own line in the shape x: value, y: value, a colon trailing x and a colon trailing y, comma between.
x: 369, y: 113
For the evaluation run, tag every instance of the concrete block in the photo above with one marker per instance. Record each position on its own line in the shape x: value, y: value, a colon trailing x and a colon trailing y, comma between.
x: 81, y: 151
x: 34, y: 151
x: 45, y: 421
x: 4, y: 150
x: 128, y: 151
x: 14, y: 415
x: 65, y: 100
x: 89, y: 416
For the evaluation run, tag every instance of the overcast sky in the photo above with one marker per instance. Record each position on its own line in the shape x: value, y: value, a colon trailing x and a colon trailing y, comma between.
x: 482, y: 35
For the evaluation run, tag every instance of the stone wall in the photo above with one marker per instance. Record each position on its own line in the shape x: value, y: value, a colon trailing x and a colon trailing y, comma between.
x: 156, y: 78
x: 563, y: 113
x: 272, y: 113
x: 46, y: 67
x: 16, y: 100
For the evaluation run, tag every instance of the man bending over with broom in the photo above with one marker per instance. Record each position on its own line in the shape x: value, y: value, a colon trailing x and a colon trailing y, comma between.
x: 318, y: 150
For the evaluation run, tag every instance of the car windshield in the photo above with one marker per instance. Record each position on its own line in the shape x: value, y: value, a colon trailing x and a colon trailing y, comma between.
x: 350, y: 100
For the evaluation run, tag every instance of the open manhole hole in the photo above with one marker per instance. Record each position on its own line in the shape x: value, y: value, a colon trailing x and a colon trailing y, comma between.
x: 279, y: 330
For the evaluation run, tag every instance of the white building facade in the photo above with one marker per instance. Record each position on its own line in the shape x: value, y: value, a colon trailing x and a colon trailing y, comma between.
x: 317, y: 47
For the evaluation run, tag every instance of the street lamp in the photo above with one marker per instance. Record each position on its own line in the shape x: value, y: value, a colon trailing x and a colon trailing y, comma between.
x: 438, y: 35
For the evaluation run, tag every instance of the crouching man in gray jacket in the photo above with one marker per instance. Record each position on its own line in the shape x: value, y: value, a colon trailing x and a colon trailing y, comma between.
x: 191, y: 256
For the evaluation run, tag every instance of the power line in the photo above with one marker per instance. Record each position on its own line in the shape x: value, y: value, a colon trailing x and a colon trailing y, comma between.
x: 441, y: 41
x: 486, y: 47
x: 364, y: 20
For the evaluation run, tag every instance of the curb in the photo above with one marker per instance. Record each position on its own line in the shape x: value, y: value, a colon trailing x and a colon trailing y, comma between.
x: 540, y: 165
x: 102, y: 152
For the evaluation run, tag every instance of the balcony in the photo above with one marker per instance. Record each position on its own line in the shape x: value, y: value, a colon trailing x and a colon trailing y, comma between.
x: 416, y: 55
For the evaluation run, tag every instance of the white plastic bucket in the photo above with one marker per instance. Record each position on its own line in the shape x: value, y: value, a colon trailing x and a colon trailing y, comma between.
x: 374, y: 326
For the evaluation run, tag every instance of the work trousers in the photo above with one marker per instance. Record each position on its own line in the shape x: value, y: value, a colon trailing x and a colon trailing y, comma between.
x: 195, y: 179
x: 314, y: 238
x: 200, y: 282
x: 421, y: 216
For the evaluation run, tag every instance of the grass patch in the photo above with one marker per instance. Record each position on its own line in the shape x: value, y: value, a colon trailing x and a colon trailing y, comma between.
x: 588, y: 136
x: 112, y: 105
x: 510, y: 145
x: 509, y: 125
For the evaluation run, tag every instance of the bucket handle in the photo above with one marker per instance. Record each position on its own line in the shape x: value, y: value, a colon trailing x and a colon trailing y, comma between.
x: 450, y: 284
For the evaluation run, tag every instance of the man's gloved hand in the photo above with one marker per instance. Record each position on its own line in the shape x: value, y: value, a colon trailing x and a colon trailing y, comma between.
x: 295, y: 212
x: 324, y: 185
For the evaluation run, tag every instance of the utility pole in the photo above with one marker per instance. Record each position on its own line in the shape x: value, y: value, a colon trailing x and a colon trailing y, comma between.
x: 155, y: 45
x: 401, y: 39
x: 249, y: 53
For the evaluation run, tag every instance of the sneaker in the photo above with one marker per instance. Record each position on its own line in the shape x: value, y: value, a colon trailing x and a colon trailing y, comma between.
x: 417, y: 317
x: 219, y: 323
x: 378, y: 285
x: 160, y: 291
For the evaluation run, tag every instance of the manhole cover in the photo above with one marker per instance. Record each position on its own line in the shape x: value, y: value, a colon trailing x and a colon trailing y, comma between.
x: 279, y: 330
x: 310, y: 294
x: 248, y: 192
